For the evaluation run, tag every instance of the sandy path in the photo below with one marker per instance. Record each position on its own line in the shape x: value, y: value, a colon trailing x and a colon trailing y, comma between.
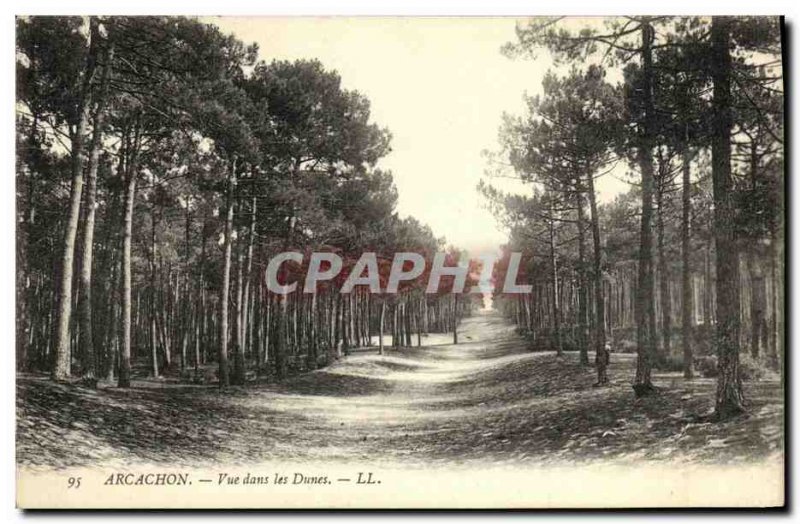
x: 486, y: 399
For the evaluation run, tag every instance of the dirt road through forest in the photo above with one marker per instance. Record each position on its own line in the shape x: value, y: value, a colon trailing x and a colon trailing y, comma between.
x: 486, y: 399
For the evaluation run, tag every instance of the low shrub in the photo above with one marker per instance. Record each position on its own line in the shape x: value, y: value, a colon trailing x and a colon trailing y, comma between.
x: 624, y: 346
x: 671, y: 363
x: 749, y: 368
x: 706, y: 366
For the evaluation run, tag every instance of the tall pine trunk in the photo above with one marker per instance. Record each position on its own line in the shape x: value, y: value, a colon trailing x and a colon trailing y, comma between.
x: 88, y: 358
x: 602, y: 355
x: 455, y: 318
x: 730, y: 397
x: 152, y: 303
x: 124, y: 379
x: 238, y: 320
x: 583, y: 312
x: 224, y: 373
x: 663, y: 275
x: 554, y: 269
x: 61, y: 365
x: 645, y: 311
x: 248, y: 272
x: 686, y: 288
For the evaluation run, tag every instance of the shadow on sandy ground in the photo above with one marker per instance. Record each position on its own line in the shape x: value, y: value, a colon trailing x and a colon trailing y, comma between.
x: 485, y: 400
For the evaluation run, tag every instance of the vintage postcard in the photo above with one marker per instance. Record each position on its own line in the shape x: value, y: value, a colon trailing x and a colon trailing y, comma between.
x: 400, y: 262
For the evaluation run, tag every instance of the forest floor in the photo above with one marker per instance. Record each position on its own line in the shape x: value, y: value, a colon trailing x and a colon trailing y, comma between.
x: 486, y: 399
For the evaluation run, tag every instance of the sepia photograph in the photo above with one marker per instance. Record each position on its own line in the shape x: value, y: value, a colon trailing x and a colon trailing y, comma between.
x: 400, y: 262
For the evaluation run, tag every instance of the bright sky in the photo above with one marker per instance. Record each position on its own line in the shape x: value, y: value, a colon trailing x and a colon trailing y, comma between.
x: 440, y: 85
